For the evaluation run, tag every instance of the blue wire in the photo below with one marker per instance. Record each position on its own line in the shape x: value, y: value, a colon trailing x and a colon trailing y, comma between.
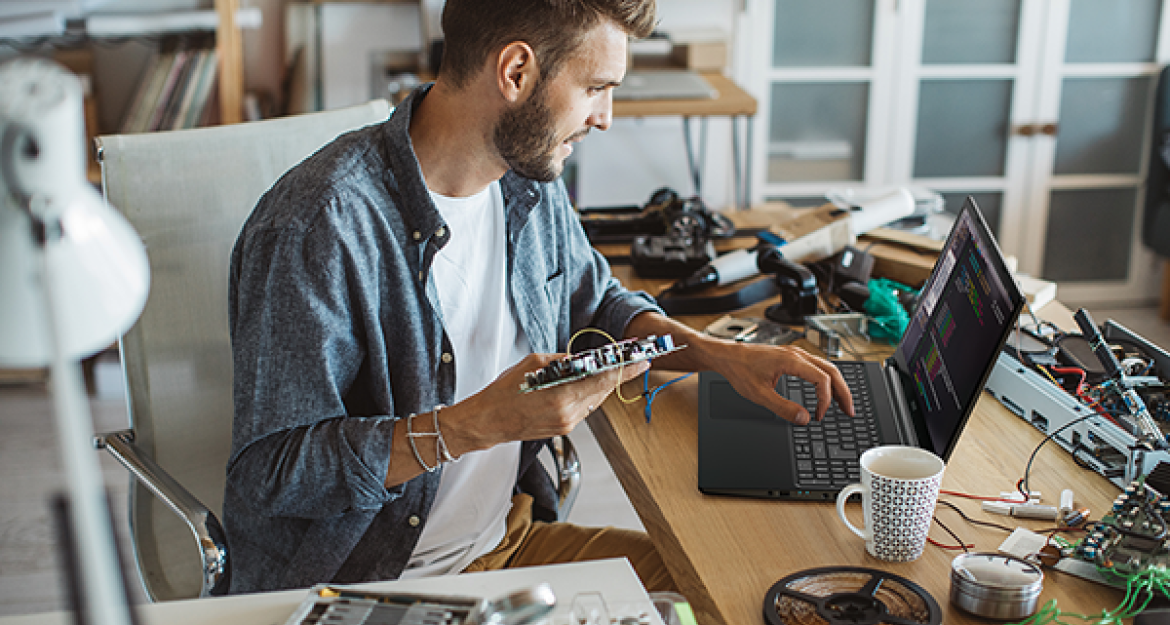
x: 651, y: 394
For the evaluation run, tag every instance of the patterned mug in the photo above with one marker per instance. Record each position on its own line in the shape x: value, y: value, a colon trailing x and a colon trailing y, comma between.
x: 899, y: 489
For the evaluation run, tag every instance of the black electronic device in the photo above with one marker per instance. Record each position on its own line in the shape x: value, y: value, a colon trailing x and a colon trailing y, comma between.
x: 593, y: 361
x: 852, y: 265
x: 670, y: 256
x: 665, y: 213
x: 849, y: 595
x: 922, y: 396
x: 798, y: 287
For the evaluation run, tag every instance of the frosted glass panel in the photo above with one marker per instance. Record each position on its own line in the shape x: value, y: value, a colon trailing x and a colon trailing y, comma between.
x: 817, y: 131
x: 1102, y: 122
x: 989, y: 203
x: 962, y: 127
x: 821, y: 33
x: 1089, y: 234
x: 1112, y: 31
x: 962, y: 31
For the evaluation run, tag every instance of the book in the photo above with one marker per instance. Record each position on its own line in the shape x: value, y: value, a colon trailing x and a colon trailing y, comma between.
x: 210, y: 70
x: 146, y: 98
x: 167, y: 91
x: 181, y: 104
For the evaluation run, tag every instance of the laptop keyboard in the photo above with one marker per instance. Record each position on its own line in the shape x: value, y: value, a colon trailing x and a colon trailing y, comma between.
x: 826, y: 451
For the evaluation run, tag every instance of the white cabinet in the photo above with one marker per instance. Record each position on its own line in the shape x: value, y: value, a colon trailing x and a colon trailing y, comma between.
x: 1041, y: 109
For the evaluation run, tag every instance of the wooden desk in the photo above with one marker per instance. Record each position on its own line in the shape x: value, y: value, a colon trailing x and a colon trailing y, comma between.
x: 732, y: 102
x: 725, y: 552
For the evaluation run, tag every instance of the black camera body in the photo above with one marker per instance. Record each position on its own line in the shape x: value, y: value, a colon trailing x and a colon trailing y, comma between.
x: 670, y: 256
x: 664, y: 214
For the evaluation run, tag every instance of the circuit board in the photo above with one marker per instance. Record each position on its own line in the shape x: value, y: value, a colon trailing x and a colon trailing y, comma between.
x: 593, y: 361
x: 1133, y: 537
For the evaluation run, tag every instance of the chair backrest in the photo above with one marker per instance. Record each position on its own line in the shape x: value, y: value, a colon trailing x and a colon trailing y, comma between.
x: 188, y: 194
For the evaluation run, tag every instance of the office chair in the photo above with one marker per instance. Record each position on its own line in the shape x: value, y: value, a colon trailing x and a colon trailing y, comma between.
x: 188, y: 193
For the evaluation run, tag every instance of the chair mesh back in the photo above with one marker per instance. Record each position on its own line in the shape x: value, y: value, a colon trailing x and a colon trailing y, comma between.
x: 188, y: 193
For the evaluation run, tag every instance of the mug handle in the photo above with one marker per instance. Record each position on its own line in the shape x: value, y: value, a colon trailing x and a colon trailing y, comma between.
x: 842, y: 497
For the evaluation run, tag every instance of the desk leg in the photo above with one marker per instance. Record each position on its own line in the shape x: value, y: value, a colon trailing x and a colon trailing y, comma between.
x: 736, y: 164
x: 747, y: 192
x: 1164, y: 303
x: 696, y: 160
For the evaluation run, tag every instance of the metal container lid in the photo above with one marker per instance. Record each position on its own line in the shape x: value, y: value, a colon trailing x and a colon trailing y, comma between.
x: 995, y: 585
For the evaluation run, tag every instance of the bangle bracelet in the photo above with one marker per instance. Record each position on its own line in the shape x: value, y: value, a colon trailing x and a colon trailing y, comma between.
x: 441, y: 450
x: 442, y: 454
x: 410, y: 436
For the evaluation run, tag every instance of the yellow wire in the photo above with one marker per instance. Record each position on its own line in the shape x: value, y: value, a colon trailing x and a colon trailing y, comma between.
x: 1050, y: 376
x: 618, y: 388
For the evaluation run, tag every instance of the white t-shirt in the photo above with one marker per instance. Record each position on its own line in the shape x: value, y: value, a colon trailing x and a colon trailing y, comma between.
x: 469, y: 515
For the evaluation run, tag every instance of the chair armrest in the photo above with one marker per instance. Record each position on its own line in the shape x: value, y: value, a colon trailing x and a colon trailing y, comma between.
x: 568, y: 475
x: 208, y: 533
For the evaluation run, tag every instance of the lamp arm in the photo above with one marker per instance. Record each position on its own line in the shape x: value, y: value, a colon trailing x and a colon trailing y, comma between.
x: 206, y: 528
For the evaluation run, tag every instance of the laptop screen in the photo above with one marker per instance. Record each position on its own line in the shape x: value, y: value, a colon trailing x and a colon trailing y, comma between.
x: 966, y: 309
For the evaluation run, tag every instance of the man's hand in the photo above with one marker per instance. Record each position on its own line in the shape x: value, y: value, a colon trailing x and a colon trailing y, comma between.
x: 502, y: 413
x: 755, y: 370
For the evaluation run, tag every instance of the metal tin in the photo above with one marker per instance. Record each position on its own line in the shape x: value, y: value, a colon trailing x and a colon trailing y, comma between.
x: 996, y: 586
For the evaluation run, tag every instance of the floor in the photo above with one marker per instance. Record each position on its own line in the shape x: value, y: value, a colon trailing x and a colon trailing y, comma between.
x: 30, y: 474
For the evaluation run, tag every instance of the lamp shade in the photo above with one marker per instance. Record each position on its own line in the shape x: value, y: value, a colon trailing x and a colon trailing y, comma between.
x: 63, y: 250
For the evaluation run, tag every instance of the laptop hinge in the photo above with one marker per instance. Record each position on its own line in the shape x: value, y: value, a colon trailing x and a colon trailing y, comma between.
x: 902, y: 415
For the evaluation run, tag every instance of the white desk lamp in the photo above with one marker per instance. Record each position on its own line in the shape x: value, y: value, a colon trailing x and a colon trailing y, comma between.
x: 73, y: 276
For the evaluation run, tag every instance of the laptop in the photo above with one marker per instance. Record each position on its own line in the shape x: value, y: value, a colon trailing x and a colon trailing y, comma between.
x: 666, y: 84
x: 922, y: 396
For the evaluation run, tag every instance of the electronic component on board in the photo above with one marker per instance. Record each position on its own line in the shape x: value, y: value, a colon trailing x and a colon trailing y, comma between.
x: 1150, y: 433
x: 1133, y: 537
x: 594, y: 361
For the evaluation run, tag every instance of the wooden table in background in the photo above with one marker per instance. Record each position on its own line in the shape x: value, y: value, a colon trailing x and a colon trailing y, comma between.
x: 726, y: 552
x: 732, y: 102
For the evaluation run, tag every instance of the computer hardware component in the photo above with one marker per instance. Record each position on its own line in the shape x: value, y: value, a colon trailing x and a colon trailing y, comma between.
x: 594, y: 361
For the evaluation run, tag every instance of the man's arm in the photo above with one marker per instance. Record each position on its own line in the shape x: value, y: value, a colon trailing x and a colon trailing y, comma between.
x: 501, y: 413
x: 754, y: 370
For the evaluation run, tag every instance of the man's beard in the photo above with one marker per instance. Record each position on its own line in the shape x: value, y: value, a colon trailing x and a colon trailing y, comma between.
x: 526, y: 138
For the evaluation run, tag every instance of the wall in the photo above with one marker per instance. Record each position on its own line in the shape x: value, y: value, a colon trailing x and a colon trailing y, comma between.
x: 622, y: 166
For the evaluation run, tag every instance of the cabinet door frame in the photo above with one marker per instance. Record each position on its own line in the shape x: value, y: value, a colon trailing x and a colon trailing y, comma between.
x: 879, y: 75
x: 895, y: 76
x: 1140, y: 286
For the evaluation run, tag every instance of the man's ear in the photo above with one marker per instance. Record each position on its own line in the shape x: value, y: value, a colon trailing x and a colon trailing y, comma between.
x: 517, y: 71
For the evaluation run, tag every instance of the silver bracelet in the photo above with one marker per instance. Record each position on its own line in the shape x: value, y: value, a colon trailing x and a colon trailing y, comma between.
x: 442, y: 454
x: 441, y: 450
x: 410, y: 436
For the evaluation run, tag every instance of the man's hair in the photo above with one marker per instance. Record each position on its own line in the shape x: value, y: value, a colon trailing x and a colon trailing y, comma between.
x: 474, y: 30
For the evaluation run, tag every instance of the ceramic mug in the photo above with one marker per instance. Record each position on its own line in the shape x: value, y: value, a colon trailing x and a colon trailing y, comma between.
x: 899, y: 489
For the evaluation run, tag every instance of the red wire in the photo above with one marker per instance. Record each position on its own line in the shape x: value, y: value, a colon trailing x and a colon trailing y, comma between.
x: 978, y: 497
x: 942, y: 546
x: 1075, y: 371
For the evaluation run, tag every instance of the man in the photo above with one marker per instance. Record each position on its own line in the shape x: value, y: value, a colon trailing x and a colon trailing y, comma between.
x: 389, y: 293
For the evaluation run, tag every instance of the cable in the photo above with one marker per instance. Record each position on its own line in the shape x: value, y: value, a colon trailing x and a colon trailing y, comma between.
x: 966, y: 548
x: 618, y: 388
x: 974, y: 521
x: 651, y: 394
x: 1022, y: 485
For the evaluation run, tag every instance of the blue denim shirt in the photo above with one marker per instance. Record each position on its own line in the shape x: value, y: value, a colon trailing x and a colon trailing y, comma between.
x: 335, y: 338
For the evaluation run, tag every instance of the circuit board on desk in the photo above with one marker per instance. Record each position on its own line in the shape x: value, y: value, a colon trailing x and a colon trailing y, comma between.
x: 1133, y: 538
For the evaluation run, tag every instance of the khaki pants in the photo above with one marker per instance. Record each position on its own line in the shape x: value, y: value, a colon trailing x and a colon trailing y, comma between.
x: 529, y: 543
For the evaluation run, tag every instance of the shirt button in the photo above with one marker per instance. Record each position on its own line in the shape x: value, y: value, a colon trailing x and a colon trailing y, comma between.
x: 446, y: 357
x: 420, y: 276
x: 441, y: 232
x: 417, y: 235
x: 414, y: 520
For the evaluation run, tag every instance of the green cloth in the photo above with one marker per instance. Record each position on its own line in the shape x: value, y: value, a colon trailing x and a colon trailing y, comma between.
x: 888, y: 320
